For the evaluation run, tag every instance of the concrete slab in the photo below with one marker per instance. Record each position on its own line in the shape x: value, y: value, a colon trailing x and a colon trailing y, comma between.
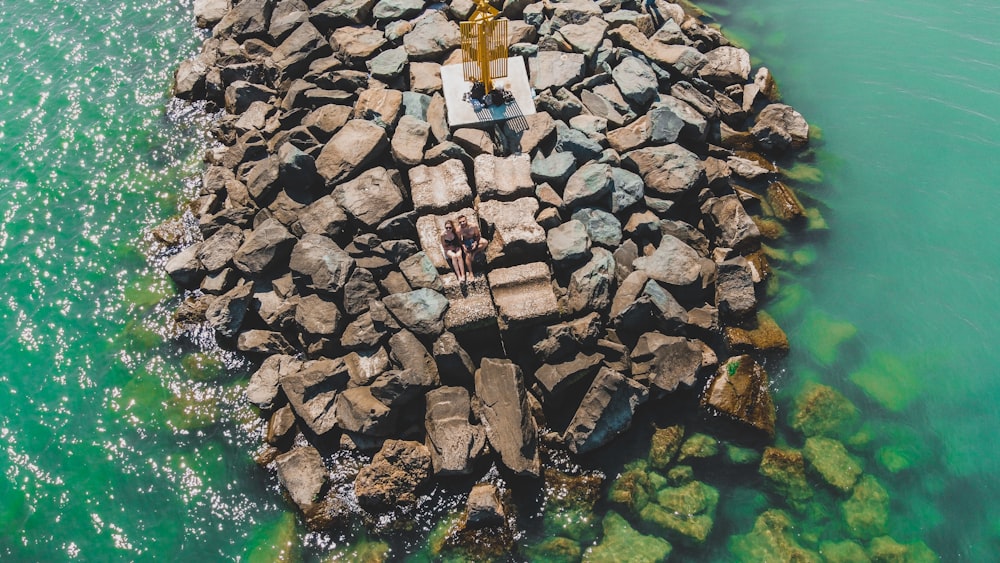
x: 523, y: 294
x: 462, y: 114
x: 470, y: 307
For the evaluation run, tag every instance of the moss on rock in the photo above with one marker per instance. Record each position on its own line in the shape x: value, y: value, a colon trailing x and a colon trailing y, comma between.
x: 699, y: 446
x: 845, y: 551
x: 830, y: 459
x: 867, y: 511
x: 821, y: 410
x: 632, y: 490
x: 786, y: 471
x: 823, y: 335
x: 622, y: 544
x: 686, y: 512
x: 772, y: 539
x: 664, y: 445
x: 555, y: 550
x: 888, y: 380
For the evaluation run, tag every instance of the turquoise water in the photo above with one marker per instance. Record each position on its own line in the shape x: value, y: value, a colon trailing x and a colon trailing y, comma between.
x: 114, y: 447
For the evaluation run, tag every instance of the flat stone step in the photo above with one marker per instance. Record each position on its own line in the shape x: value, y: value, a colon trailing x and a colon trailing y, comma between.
x: 470, y: 307
x: 523, y: 294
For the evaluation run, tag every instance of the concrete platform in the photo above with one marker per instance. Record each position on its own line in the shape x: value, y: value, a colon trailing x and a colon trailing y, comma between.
x: 471, y: 307
x: 462, y: 114
x: 523, y: 295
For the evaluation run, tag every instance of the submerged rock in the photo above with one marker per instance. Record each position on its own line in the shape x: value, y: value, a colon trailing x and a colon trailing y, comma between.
x: 772, y: 539
x: 393, y: 477
x: 830, y: 459
x: 686, y: 512
x: 620, y: 538
x: 867, y: 511
x: 821, y: 410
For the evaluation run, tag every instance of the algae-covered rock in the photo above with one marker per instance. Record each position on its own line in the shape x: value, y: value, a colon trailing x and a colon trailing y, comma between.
x: 830, y: 459
x: 569, y: 505
x: 664, y: 445
x: 885, y: 549
x: 686, y: 512
x: 821, y: 410
x: 555, y: 550
x: 679, y: 476
x: 786, y: 471
x: 823, y: 335
x: 632, y: 489
x: 867, y: 511
x: 622, y: 544
x: 741, y: 456
x: 772, y: 539
x: 363, y: 551
x: 762, y: 334
x: 699, y: 446
x: 201, y: 366
x: 843, y: 552
x: 789, y: 301
x: 740, y: 390
x: 888, y: 380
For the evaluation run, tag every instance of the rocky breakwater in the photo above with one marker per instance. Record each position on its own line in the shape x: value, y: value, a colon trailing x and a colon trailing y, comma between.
x: 624, y: 221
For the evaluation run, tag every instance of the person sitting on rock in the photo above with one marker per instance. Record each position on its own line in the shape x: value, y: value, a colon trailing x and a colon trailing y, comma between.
x: 472, y: 241
x: 451, y: 247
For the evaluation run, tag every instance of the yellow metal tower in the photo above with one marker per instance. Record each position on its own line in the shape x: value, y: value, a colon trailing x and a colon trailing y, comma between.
x: 484, y: 46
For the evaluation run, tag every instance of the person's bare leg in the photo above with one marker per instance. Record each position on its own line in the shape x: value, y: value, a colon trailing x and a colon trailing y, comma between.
x: 468, y: 267
x: 458, y: 266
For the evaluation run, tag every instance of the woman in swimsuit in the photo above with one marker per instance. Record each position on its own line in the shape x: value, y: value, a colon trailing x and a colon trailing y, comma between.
x: 451, y: 246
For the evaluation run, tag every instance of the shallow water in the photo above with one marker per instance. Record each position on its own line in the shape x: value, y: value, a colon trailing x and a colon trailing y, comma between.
x: 115, y: 447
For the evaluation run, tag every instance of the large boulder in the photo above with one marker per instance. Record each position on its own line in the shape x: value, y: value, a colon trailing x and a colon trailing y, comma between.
x: 207, y: 13
x: 779, y: 127
x: 409, y: 140
x: 453, y: 442
x: 185, y: 268
x: 355, y: 145
x: 676, y: 363
x: 636, y: 81
x: 568, y: 243
x: 312, y: 388
x: 670, y: 171
x: 440, y: 189
x: 673, y: 119
x: 320, y: 264
x: 336, y: 12
x: 729, y: 224
x: 303, y: 46
x: 590, y: 286
x: 267, y: 246
x: 590, y: 183
x: 421, y: 311
x: 503, y: 178
x: 553, y: 69
x: 726, y: 65
x: 556, y: 378
x: 246, y: 20
x: 502, y: 406
x: 740, y: 390
x: 517, y: 237
x: 432, y: 36
x: 219, y: 249
x: 674, y: 263
x: 605, y: 412
x: 523, y: 294
x: 357, y: 410
x: 394, y: 476
x: 303, y: 474
x: 735, y: 295
x: 226, y: 313
x: 372, y: 197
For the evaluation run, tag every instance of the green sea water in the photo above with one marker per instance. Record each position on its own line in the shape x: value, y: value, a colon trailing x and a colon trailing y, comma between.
x: 117, y: 444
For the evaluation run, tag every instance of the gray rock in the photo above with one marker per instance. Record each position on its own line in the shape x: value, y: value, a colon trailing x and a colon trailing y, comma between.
x: 185, y: 268
x: 265, y: 247
x: 207, y: 13
x: 226, y: 313
x: 779, y: 127
x: 409, y: 140
x: 318, y: 316
x: 627, y: 189
x: 356, y: 144
x: 673, y: 263
x: 576, y: 11
x: 364, y: 366
x: 746, y: 168
x: 603, y: 228
x: 415, y: 105
x: 359, y: 411
x: 590, y: 286
x: 556, y: 378
x: 263, y: 342
x: 453, y: 442
x: 540, y: 127
x: 321, y: 264
x: 322, y: 217
x: 585, y: 37
x: 670, y: 171
x: 421, y: 273
x: 735, y: 297
x: 399, y: 387
x: 454, y: 363
x: 517, y: 237
x: 245, y: 20
x: 729, y: 225
x: 675, y: 363
x: 605, y: 412
x: 285, y: 18
x: 312, y: 388
x: 636, y: 81
x: 523, y: 294
x: 262, y: 180
x: 673, y: 119
x: 421, y: 311
x: 432, y: 37
x: 590, y: 183
x: 555, y: 169
x: 568, y: 243
x: 602, y: 107
x: 241, y: 94
x: 687, y: 93
x: 280, y: 426
x: 624, y: 258
x: 552, y: 69
x: 362, y: 332
x: 596, y: 128
x: 394, y: 476
x: 388, y: 64
x: 302, y: 473
x: 358, y: 291
x: 389, y: 10
x: 303, y: 46
x: 726, y: 65
x: 577, y: 142
x: 263, y: 388
x: 440, y: 189
x: 502, y: 406
x: 640, y: 305
x: 335, y: 12
x: 503, y: 178
x: 372, y: 197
